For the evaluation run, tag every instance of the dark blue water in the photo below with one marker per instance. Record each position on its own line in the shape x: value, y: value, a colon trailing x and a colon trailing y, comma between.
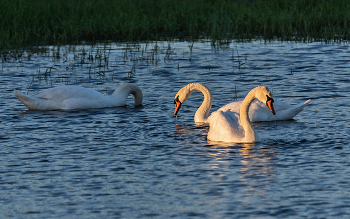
x: 143, y: 162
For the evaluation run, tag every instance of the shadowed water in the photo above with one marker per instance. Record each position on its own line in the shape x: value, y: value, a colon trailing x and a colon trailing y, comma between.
x: 143, y: 162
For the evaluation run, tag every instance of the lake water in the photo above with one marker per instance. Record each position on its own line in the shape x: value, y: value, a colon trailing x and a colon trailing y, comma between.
x: 143, y: 162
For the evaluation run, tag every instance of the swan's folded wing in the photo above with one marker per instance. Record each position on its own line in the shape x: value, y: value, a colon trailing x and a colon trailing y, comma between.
x: 289, y: 113
x: 233, y: 106
x: 259, y: 112
x: 225, y: 126
x: 34, y: 103
x: 62, y: 93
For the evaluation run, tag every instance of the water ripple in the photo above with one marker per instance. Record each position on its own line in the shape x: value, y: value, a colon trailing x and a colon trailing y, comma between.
x: 133, y: 162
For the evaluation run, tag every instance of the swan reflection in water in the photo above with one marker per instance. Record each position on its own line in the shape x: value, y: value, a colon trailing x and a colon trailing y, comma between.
x: 188, y: 131
x: 245, y: 168
x: 249, y: 167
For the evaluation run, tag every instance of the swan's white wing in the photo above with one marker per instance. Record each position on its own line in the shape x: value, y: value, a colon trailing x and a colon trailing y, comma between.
x: 233, y: 106
x: 70, y: 97
x: 34, y: 103
x: 225, y: 126
x: 66, y: 97
x: 259, y: 112
x: 62, y: 93
x: 290, y: 112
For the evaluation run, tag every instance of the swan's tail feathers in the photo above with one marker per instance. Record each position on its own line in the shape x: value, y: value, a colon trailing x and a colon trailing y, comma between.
x: 306, y: 102
x: 23, y: 98
x: 301, y: 106
x: 26, y: 100
x: 291, y: 112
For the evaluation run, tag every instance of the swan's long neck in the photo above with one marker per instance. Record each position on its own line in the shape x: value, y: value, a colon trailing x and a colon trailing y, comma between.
x: 124, y: 90
x: 250, y: 134
x: 203, y: 111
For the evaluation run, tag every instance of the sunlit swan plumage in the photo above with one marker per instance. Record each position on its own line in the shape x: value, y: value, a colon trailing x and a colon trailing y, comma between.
x: 258, y: 111
x: 230, y: 126
x: 69, y: 97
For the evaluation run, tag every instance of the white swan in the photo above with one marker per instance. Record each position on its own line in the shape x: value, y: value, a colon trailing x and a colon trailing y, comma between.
x: 69, y: 97
x: 233, y: 127
x: 258, y: 111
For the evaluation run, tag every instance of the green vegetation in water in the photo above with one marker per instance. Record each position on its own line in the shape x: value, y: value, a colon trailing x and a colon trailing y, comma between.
x: 86, y: 65
x: 96, y: 64
x: 41, y: 22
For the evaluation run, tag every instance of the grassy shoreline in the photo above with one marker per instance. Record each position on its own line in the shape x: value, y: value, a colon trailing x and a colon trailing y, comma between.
x: 40, y: 22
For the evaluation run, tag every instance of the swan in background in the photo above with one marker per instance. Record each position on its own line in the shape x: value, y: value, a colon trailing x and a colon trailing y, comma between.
x: 230, y: 126
x: 69, y: 97
x: 258, y: 111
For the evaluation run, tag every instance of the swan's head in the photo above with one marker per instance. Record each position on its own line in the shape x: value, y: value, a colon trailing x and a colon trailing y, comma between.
x: 264, y: 95
x: 182, y: 95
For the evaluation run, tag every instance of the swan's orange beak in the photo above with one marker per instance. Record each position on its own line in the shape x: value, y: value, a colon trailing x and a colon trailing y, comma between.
x: 177, y: 106
x: 269, y: 104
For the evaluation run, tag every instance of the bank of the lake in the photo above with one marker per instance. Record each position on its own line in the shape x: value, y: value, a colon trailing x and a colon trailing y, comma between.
x: 38, y: 22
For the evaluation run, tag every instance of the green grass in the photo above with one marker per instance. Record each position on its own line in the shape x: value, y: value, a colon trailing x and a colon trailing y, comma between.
x: 41, y: 22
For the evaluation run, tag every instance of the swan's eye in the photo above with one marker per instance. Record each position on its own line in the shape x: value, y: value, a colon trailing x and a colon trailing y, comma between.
x: 176, y: 99
x: 269, y: 99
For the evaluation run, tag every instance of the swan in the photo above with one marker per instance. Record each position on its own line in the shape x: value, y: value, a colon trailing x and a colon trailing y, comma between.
x: 230, y: 126
x: 258, y: 111
x: 69, y: 97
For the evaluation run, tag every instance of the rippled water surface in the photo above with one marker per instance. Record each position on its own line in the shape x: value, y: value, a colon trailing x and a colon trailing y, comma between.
x: 143, y: 162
